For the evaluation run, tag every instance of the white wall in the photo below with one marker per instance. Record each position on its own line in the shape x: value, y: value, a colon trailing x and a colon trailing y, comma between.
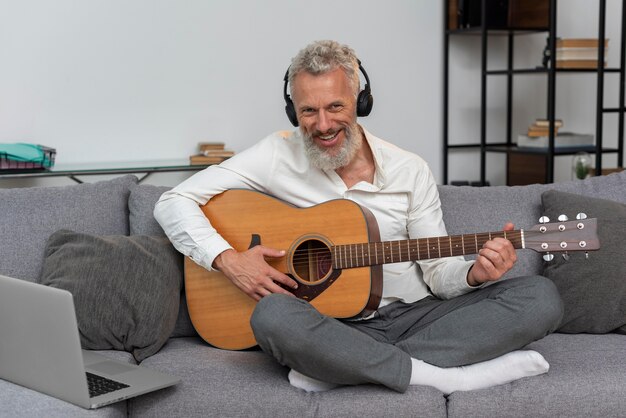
x: 113, y: 80
x: 121, y: 80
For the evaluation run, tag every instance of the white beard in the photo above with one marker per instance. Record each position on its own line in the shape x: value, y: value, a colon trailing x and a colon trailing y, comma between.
x: 322, y: 159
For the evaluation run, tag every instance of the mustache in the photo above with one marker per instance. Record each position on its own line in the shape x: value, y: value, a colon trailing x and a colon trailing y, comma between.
x: 325, y: 133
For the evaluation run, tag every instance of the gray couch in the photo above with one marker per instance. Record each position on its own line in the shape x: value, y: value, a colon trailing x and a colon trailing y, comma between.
x: 587, y: 375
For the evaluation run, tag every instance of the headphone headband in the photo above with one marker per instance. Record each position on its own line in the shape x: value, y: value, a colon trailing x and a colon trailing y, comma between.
x: 364, y: 101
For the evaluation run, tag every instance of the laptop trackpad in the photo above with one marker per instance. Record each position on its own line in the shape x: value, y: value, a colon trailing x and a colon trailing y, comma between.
x: 110, y: 367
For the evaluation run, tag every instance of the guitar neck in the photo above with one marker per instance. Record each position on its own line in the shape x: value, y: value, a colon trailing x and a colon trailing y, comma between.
x: 375, y: 253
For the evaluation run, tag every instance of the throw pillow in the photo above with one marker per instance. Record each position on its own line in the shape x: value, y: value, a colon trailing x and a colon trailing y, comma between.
x: 126, y: 288
x: 594, y: 289
x: 141, y: 203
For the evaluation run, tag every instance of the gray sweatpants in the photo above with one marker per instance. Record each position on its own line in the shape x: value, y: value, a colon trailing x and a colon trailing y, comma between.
x: 474, y: 327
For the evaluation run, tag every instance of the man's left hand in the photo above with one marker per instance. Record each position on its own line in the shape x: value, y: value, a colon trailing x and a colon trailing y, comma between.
x: 495, y: 258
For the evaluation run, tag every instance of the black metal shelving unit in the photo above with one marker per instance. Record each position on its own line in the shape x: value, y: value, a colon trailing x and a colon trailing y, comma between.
x: 508, y: 146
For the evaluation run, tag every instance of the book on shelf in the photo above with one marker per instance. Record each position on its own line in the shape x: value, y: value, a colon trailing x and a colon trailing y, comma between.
x: 204, y: 146
x: 578, y: 64
x: 566, y: 54
x: 201, y: 159
x: 579, y: 53
x: 218, y: 153
x: 539, y: 132
x: 545, y: 123
x: 541, y: 127
x: 210, y: 153
x: 580, y: 43
x: 562, y: 140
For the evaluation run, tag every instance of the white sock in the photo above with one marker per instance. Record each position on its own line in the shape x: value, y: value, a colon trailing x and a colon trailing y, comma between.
x: 307, y: 383
x: 501, y: 370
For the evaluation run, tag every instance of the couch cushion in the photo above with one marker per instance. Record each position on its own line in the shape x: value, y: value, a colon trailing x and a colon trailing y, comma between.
x: 31, y: 215
x: 481, y: 209
x: 593, y: 289
x: 126, y: 289
x: 252, y: 384
x: 586, y: 379
x: 141, y: 205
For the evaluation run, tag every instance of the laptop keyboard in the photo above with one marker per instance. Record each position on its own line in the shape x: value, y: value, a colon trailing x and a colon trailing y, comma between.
x: 99, y: 385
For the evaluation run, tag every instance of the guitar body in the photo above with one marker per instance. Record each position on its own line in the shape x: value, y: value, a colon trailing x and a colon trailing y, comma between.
x: 221, y: 313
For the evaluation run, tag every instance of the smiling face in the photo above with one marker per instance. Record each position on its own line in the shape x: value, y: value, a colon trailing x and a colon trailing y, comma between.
x: 326, y: 108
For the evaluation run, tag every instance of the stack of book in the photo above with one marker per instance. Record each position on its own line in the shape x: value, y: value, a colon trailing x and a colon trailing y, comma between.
x: 538, y: 136
x: 541, y: 127
x: 210, y: 153
x: 579, y: 53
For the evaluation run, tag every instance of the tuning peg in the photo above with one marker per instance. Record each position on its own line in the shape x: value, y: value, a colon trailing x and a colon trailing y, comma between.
x: 544, y: 220
x: 565, y: 256
x: 563, y: 218
x: 581, y: 216
x: 548, y: 257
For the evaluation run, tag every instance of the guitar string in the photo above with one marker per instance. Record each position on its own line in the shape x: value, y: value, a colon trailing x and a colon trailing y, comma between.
x: 301, y: 256
x: 456, y: 240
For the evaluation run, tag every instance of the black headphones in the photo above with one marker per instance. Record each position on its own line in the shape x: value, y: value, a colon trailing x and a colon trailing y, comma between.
x: 364, y: 101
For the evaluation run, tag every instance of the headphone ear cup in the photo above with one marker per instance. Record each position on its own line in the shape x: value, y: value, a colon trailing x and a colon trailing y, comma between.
x: 290, y: 110
x: 365, y: 101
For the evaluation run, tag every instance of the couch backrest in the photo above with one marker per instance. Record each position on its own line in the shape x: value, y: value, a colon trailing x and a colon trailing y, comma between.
x: 28, y: 216
x: 482, y: 209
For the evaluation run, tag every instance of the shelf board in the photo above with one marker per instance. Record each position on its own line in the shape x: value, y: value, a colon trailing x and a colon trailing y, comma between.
x: 557, y: 151
x: 542, y: 70
x: 477, y: 30
x: 476, y: 145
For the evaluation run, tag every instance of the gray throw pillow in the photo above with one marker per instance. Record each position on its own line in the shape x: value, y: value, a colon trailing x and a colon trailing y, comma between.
x: 126, y: 288
x: 594, y: 289
x: 141, y: 203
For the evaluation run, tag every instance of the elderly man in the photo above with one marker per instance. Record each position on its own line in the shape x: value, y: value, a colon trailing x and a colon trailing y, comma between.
x: 438, y: 322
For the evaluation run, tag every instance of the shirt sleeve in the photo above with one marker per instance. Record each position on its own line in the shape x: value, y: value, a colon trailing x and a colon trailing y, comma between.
x: 178, y: 210
x: 446, y: 277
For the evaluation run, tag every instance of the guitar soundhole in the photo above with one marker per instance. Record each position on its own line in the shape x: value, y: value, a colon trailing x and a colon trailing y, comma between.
x: 312, y: 261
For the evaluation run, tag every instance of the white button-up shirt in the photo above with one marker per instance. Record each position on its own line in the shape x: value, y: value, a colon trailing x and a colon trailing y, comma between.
x: 403, y: 198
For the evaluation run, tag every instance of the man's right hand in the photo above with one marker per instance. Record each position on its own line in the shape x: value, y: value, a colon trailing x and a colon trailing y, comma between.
x: 250, y: 272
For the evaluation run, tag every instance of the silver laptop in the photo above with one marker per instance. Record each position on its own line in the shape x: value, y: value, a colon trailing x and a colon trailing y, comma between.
x: 40, y: 349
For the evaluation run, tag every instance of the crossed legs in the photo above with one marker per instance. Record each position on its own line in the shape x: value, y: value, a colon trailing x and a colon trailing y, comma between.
x: 413, y: 343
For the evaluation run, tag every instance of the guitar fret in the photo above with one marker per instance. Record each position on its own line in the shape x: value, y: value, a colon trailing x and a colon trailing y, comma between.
x: 376, y: 252
x: 350, y: 255
x: 360, y: 254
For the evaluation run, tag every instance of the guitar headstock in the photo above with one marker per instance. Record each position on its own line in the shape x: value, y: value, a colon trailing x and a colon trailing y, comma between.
x: 563, y: 236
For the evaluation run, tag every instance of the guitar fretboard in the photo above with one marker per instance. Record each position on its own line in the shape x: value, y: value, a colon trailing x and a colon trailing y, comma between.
x: 375, y: 253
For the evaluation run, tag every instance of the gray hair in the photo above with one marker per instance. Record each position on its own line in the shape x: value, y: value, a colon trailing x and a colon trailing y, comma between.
x: 321, y: 57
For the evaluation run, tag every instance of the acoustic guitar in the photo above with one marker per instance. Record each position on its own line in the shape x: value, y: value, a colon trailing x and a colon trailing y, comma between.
x: 334, y: 252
